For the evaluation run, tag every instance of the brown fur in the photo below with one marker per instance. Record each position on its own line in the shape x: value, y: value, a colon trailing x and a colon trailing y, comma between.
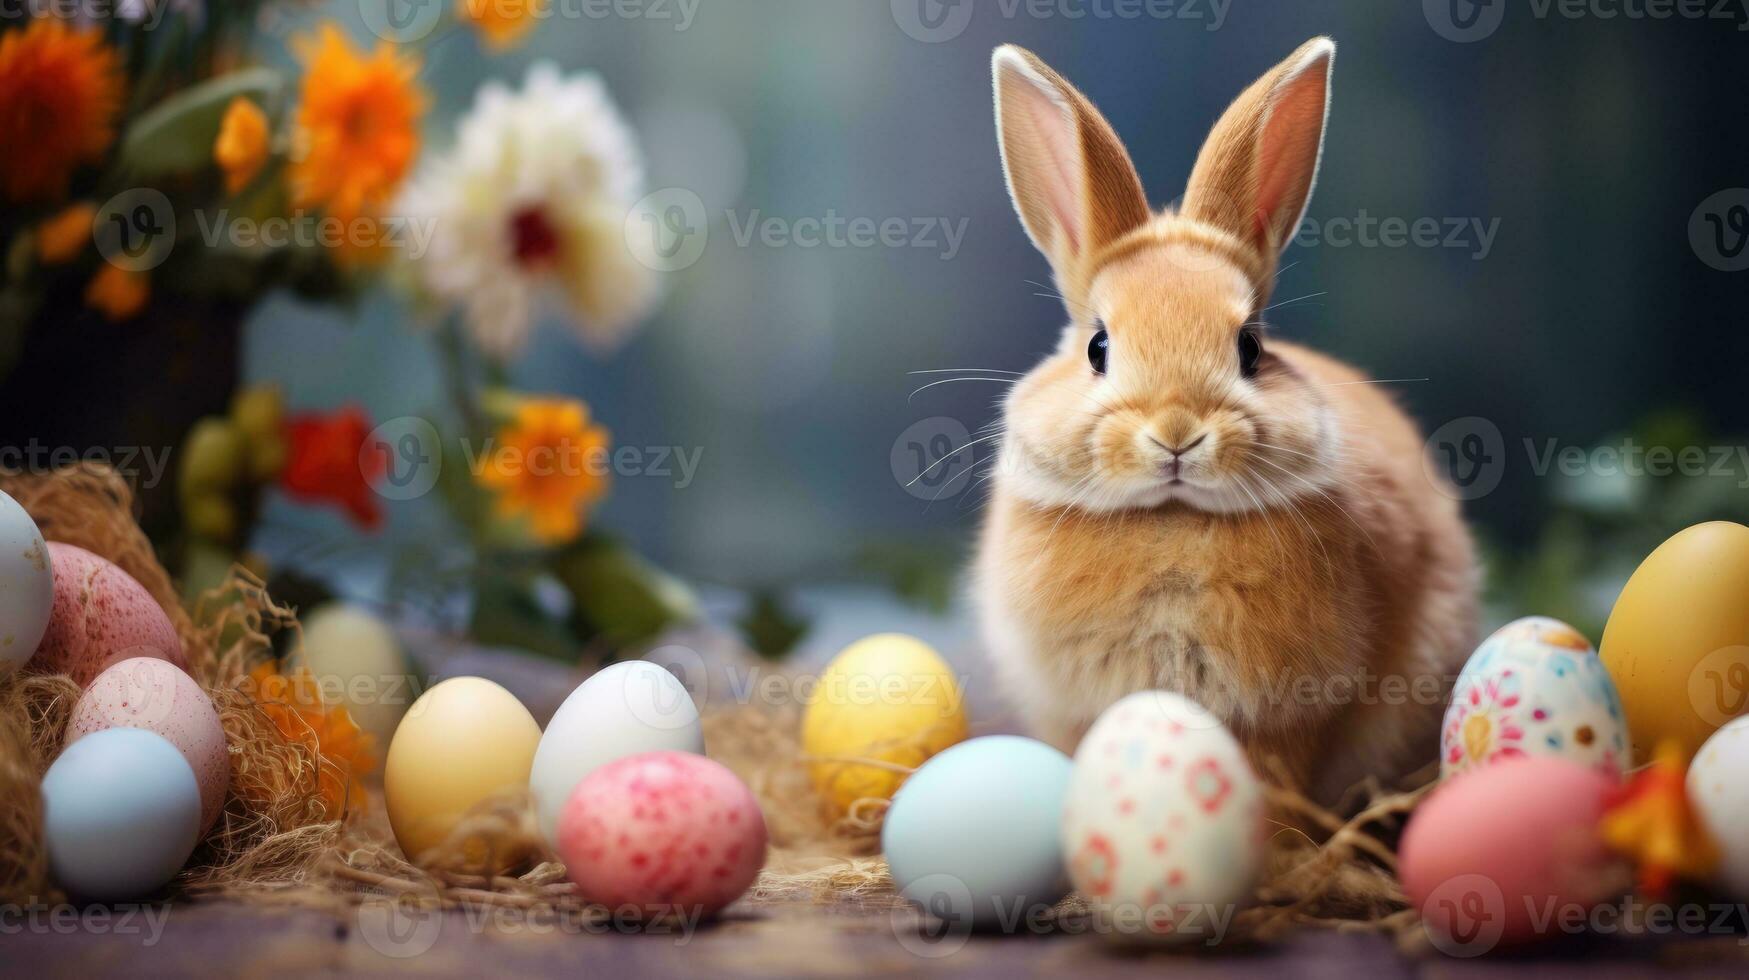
x: 1306, y: 547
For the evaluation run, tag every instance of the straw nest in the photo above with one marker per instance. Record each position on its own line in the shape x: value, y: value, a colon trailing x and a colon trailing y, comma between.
x: 278, y: 841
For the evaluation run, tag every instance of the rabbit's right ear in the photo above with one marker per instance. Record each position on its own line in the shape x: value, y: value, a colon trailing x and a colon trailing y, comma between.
x: 1068, y: 173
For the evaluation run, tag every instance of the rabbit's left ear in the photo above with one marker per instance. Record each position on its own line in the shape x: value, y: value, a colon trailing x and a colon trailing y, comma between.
x: 1255, y: 174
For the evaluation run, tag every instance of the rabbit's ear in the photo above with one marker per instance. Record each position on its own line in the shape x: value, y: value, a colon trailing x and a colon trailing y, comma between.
x: 1068, y: 173
x: 1255, y: 174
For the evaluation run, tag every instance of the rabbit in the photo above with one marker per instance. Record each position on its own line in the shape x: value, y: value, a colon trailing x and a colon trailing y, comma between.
x: 1182, y: 501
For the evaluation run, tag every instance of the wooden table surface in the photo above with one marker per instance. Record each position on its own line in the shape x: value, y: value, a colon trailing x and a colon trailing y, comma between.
x: 228, y: 939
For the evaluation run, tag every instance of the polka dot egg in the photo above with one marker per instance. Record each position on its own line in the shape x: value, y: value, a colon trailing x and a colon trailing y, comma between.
x: 1163, y: 829
x: 101, y: 616
x: 153, y: 695
x: 663, y: 834
x: 1535, y: 687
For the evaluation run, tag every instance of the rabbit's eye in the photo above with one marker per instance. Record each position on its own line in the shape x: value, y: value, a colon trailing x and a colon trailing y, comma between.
x: 1250, y: 352
x: 1096, y: 351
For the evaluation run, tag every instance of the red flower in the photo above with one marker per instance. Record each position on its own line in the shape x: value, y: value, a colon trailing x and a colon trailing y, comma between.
x: 325, y: 463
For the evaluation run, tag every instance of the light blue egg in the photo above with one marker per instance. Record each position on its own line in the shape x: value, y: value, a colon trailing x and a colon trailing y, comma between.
x: 121, y: 814
x: 975, y: 836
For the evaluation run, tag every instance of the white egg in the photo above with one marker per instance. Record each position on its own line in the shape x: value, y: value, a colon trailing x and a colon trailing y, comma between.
x: 354, y: 655
x: 1535, y: 687
x: 1718, y: 787
x: 27, y: 585
x: 625, y: 709
x: 1164, y: 826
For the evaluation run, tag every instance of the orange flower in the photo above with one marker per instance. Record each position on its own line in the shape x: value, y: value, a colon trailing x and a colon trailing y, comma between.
x: 1651, y: 821
x: 503, y: 23
x: 60, y: 90
x: 118, y: 293
x: 242, y: 146
x: 61, y: 238
x: 357, y: 125
x: 548, y: 467
x: 345, y: 753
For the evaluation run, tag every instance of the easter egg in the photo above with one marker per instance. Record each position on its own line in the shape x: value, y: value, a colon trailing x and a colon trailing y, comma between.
x: 1163, y: 830
x: 1718, y: 789
x: 1677, y: 643
x: 662, y: 835
x: 975, y: 836
x: 101, y: 616
x: 463, y: 742
x: 27, y: 585
x: 1534, y: 687
x: 121, y: 814
x: 888, y: 699
x: 625, y: 709
x: 153, y: 695
x: 356, y: 660
x: 1498, y: 854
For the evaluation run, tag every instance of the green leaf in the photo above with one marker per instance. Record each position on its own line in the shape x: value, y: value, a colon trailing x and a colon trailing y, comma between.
x: 619, y: 596
x: 770, y: 628
x: 507, y: 614
x: 177, y: 134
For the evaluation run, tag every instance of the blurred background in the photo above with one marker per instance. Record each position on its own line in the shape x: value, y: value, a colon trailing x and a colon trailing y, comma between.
x: 1539, y: 217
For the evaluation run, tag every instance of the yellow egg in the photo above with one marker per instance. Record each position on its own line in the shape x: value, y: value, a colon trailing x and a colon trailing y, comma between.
x: 888, y: 699
x: 1677, y: 643
x: 463, y: 741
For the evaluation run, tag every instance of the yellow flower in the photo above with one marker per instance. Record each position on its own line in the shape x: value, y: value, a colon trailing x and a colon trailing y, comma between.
x: 242, y: 146
x: 60, y: 90
x: 118, y: 293
x: 503, y: 23
x: 345, y: 753
x: 548, y: 466
x: 357, y: 125
x: 1652, y: 822
x: 61, y: 238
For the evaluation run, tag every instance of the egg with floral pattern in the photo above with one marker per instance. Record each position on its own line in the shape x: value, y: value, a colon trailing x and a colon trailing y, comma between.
x: 1163, y: 828
x: 1535, y: 687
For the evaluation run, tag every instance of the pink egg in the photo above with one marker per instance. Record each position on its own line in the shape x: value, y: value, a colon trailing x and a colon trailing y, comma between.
x: 1507, y: 853
x: 670, y: 833
x: 154, y: 695
x: 101, y: 616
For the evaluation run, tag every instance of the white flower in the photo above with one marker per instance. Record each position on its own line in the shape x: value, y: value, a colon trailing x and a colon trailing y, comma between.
x: 527, y: 211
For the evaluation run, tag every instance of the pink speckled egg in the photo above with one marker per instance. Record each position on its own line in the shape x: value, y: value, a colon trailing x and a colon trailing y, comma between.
x: 671, y: 834
x: 154, y: 695
x: 101, y: 616
x: 1507, y: 853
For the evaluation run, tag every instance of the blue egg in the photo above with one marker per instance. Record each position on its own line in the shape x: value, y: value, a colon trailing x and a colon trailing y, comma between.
x: 975, y: 836
x: 121, y: 814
